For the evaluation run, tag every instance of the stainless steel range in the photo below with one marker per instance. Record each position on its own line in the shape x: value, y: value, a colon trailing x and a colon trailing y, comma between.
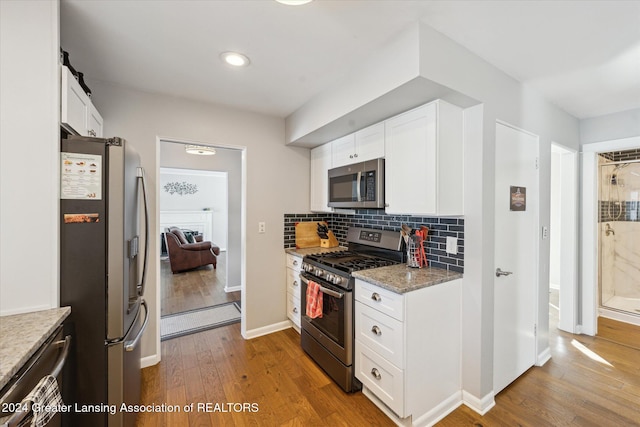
x: 328, y: 339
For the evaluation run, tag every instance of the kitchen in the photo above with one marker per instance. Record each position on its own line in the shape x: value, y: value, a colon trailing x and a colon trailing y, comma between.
x: 142, y: 116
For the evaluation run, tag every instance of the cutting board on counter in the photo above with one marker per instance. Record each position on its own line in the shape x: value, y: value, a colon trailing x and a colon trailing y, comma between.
x: 307, y: 234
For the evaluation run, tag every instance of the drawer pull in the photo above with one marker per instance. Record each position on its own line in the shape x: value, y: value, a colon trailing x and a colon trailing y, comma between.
x: 376, y: 374
x: 295, y: 309
x: 295, y: 283
x: 295, y: 262
x: 376, y: 330
x: 375, y: 296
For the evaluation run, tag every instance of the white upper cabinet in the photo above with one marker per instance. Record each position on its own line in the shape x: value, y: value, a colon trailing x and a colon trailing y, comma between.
x: 77, y: 113
x: 365, y: 144
x: 423, y: 166
x: 94, y: 122
x: 320, y: 165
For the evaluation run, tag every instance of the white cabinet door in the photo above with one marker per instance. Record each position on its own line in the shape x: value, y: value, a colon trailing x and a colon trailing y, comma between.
x: 77, y: 112
x: 94, y: 122
x: 424, y: 155
x: 343, y: 150
x: 410, y: 166
x: 369, y: 143
x: 74, y: 104
x: 320, y: 165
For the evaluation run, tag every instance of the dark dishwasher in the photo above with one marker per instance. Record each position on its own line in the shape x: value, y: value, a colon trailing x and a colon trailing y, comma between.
x: 49, y: 359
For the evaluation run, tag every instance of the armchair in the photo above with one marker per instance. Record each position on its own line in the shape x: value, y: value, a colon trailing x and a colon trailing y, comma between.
x: 184, y: 255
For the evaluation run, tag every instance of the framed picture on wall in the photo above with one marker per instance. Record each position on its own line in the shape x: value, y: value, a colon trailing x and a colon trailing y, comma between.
x: 518, y: 198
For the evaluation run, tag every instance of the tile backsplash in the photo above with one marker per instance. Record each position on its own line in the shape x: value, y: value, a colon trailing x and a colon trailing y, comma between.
x: 439, y: 230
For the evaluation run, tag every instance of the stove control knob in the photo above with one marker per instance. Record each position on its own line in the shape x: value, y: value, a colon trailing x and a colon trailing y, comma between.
x: 337, y: 280
x: 318, y: 272
x: 329, y: 277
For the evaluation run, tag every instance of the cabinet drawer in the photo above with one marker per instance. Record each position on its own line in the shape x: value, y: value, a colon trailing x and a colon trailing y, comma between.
x: 381, y: 333
x: 293, y: 309
x: 293, y: 282
x: 385, y: 301
x: 294, y: 262
x: 384, y: 379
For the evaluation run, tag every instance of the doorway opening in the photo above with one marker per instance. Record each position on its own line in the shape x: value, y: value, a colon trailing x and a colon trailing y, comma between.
x: 201, y: 197
x: 562, y: 236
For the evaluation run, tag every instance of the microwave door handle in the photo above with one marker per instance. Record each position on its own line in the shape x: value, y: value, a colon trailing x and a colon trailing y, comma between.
x: 359, y: 180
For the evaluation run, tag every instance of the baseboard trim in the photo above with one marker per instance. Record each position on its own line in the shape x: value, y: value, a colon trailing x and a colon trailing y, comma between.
x: 439, y: 412
x: 236, y: 288
x: 544, y: 357
x: 481, y: 406
x: 266, y: 330
x: 145, y: 362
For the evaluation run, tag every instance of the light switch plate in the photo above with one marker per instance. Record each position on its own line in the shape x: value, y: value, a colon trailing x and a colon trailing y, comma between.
x: 452, y: 245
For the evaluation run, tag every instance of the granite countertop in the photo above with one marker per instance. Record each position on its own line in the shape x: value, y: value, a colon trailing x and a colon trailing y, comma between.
x: 22, y: 334
x: 402, y: 279
x: 311, y: 251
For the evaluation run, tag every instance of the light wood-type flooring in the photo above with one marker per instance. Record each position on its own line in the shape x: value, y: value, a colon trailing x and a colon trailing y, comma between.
x: 588, y: 382
x: 194, y: 289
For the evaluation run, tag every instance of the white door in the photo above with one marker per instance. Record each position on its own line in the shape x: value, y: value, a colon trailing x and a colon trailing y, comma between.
x: 516, y: 254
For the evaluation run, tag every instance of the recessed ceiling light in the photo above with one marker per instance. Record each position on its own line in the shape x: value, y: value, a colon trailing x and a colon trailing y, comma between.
x: 294, y: 2
x: 201, y: 150
x: 234, y: 58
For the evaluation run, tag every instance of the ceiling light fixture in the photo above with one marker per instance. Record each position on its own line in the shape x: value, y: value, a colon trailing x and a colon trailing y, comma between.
x: 234, y: 58
x: 294, y: 2
x: 201, y: 150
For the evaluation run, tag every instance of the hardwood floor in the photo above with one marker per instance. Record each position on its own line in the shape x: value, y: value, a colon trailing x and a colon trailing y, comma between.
x: 574, y: 388
x: 193, y: 289
x: 272, y: 372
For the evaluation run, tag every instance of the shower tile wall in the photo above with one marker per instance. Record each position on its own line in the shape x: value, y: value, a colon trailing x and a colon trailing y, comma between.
x: 439, y: 230
x: 619, y: 212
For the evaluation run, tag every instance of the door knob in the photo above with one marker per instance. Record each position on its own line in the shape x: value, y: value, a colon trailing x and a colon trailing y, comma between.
x: 499, y: 272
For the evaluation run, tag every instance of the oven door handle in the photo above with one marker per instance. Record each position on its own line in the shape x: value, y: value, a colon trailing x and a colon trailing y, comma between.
x: 358, y: 182
x: 324, y: 290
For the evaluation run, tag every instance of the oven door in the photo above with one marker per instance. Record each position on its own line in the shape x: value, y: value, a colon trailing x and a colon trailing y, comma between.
x: 335, y: 328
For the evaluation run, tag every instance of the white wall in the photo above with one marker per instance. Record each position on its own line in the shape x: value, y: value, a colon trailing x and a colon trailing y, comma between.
x: 446, y: 63
x: 277, y: 182
x: 29, y: 159
x: 625, y: 124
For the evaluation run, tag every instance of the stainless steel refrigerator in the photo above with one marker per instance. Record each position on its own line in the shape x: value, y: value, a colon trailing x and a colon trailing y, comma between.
x: 103, y: 221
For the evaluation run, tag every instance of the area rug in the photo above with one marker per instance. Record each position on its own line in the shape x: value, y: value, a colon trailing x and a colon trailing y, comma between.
x: 179, y: 324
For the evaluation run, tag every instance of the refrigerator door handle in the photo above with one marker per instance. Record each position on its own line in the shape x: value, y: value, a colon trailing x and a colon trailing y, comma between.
x: 141, y: 285
x: 131, y: 344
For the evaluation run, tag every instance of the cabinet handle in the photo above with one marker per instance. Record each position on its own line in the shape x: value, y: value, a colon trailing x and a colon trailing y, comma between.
x: 295, y: 262
x: 351, y: 156
x: 376, y: 374
x: 92, y: 132
x: 376, y: 330
x: 295, y: 309
x: 295, y: 283
x: 375, y: 296
x: 355, y: 155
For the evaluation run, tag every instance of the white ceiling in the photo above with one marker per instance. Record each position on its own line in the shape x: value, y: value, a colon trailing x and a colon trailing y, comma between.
x: 583, y: 55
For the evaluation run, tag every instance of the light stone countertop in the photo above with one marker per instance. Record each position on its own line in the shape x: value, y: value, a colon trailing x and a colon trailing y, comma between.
x: 311, y: 251
x: 22, y: 334
x: 402, y: 279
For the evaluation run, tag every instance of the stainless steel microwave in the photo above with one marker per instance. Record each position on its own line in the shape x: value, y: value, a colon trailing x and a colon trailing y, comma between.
x: 357, y: 186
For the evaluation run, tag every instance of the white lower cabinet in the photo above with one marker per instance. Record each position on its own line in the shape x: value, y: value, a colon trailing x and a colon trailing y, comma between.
x: 408, y: 350
x: 294, y: 264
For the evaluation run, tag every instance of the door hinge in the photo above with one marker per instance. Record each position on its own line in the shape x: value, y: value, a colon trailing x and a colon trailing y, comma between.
x: 537, y: 163
x: 535, y: 330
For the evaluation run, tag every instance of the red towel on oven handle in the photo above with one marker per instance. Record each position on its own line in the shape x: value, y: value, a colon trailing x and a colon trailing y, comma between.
x: 314, y: 300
